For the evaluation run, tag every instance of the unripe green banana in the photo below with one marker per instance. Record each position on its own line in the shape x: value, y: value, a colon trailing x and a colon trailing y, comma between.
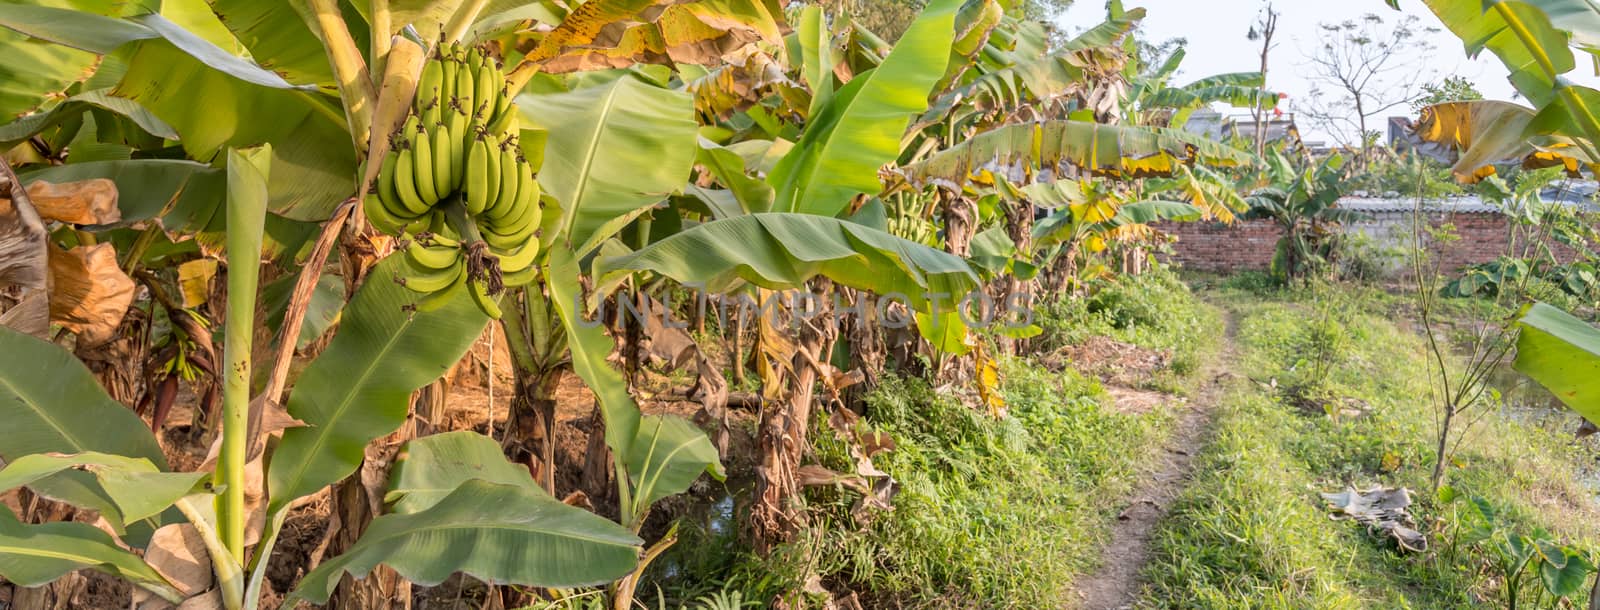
x: 406, y: 179
x: 521, y: 258
x: 424, y: 170
x: 447, y: 79
x: 480, y: 294
x: 476, y: 185
x: 509, y: 180
x: 466, y: 90
x: 491, y: 181
x: 425, y: 280
x: 488, y: 85
x: 432, y: 257
x: 383, y: 218
x: 513, y: 234
x: 520, y: 278
x: 428, y: 85
x: 383, y: 185
x: 432, y: 113
x: 505, y: 121
x: 443, y: 148
x: 439, y: 226
x: 528, y: 191
x: 459, y: 137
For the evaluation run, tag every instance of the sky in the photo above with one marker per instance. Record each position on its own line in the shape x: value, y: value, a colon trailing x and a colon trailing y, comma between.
x: 1216, y: 30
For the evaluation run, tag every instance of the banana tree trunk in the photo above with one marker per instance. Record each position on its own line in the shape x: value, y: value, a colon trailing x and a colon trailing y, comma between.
x: 1019, y: 227
x: 781, y: 438
x: 538, y: 357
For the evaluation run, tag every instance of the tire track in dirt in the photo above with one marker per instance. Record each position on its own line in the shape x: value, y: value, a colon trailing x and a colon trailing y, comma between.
x: 1116, y: 583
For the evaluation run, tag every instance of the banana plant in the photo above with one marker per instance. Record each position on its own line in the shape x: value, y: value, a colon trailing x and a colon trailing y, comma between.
x: 385, y: 349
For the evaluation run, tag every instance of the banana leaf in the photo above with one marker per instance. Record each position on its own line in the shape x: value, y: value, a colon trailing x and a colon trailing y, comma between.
x: 360, y: 387
x: 849, y: 140
x: 780, y: 251
x: 1020, y: 151
x: 495, y: 533
x: 1561, y: 353
x: 625, y: 146
x: 34, y: 555
x: 433, y: 466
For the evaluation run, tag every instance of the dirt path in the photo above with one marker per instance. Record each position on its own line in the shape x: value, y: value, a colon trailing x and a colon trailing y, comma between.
x: 1116, y: 583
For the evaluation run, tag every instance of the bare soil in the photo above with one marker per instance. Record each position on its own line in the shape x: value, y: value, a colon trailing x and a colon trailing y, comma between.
x: 1116, y: 583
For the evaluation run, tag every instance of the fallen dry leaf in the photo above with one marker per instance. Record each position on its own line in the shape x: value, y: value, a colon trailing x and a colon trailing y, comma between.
x: 179, y: 554
x: 89, y: 293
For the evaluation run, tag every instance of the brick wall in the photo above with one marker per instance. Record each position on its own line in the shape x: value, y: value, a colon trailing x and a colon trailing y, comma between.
x: 1249, y: 245
x: 1246, y: 245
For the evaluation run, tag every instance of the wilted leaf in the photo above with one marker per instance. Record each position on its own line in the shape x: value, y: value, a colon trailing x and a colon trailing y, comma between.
x: 179, y: 554
x: 89, y: 293
x: 31, y: 315
x: 1481, y: 133
x: 87, y: 202
x: 1021, y: 151
x: 23, y: 243
x: 194, y: 281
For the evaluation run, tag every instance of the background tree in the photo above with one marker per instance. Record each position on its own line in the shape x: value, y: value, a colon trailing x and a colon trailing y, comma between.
x: 1360, y: 72
x: 1447, y: 89
x: 1263, y: 30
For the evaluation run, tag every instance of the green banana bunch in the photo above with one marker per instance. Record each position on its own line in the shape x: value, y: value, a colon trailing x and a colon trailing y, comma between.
x: 905, y: 221
x: 458, y: 150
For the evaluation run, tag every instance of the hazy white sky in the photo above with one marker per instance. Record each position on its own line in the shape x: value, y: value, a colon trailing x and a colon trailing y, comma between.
x: 1216, y: 32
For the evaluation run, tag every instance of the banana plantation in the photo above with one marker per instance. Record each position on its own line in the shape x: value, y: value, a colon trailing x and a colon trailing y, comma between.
x: 724, y: 304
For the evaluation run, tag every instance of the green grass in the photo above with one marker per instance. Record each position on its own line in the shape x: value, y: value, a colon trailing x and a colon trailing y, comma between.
x: 1251, y: 531
x: 991, y: 512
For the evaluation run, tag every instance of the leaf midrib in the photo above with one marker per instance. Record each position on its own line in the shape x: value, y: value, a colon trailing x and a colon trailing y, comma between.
x: 34, y: 406
x: 593, y: 150
x: 327, y: 427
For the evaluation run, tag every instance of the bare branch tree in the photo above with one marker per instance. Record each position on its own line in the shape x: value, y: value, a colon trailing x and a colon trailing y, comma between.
x: 1264, y: 29
x: 1363, y: 68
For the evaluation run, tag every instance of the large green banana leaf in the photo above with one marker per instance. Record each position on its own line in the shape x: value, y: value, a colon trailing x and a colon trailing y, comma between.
x: 1124, y: 151
x: 433, y: 466
x: 50, y: 403
x: 313, y: 161
x: 1520, y: 33
x: 360, y: 387
x: 169, y: 68
x: 849, y: 140
x: 624, y: 146
x: 658, y: 456
x: 26, y: 127
x: 278, y: 38
x: 728, y: 167
x: 33, y: 555
x: 183, y: 196
x: 33, y: 69
x: 136, y: 489
x: 1562, y: 353
x: 781, y: 251
x: 666, y: 457
x: 495, y: 533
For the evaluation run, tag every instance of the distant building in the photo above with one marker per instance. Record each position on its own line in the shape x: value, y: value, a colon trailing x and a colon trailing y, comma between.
x: 1218, y: 126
